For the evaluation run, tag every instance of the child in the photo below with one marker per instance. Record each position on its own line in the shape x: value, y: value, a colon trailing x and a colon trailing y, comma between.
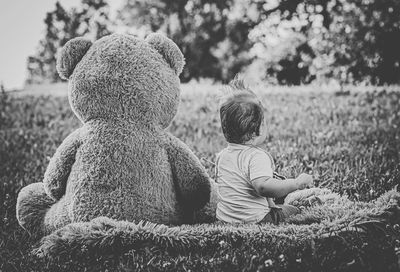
x: 244, y: 171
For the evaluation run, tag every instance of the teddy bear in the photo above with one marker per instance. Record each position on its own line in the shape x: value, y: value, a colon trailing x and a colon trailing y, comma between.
x: 121, y: 163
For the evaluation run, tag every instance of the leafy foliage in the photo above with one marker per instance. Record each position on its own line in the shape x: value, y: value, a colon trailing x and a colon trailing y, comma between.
x: 284, y: 41
x: 363, y: 37
x: 61, y: 26
x: 348, y: 140
x: 199, y: 28
x: 289, y: 42
x: 352, y: 41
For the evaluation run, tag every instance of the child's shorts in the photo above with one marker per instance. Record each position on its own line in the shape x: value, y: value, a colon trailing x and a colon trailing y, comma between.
x: 279, y: 215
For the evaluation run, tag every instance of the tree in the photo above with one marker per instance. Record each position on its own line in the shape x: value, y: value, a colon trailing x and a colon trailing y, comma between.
x: 202, y: 29
x: 352, y: 41
x: 365, y: 39
x: 288, y: 41
x: 92, y: 19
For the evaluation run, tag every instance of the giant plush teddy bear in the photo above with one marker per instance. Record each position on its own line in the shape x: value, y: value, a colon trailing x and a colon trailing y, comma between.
x: 121, y: 163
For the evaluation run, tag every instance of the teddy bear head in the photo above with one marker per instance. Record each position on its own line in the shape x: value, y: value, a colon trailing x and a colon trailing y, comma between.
x: 120, y: 77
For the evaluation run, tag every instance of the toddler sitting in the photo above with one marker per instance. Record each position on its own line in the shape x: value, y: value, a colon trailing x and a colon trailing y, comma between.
x: 244, y: 171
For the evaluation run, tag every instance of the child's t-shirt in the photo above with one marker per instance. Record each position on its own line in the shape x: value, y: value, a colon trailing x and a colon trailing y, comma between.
x: 237, y: 166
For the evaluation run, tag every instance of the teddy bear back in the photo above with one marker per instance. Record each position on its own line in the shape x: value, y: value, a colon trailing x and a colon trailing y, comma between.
x: 122, y: 78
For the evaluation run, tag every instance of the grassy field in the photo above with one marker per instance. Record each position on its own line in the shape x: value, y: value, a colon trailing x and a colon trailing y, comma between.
x: 349, y: 140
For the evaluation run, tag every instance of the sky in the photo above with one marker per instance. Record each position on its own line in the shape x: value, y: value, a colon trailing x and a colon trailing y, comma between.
x: 21, y: 28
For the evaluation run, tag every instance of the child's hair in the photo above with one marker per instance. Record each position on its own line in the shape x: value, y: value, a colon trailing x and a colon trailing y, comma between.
x: 241, y: 113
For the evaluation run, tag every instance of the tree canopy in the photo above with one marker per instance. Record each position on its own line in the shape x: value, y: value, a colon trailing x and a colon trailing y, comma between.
x: 91, y: 19
x: 282, y: 41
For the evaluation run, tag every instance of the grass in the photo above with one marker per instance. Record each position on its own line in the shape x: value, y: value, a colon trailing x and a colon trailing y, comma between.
x: 348, y: 140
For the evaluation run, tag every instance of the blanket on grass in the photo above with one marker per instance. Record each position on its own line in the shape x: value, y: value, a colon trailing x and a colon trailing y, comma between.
x: 358, y: 227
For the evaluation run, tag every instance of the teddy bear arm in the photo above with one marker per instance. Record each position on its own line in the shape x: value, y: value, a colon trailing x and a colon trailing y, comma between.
x: 57, y: 172
x: 190, y: 176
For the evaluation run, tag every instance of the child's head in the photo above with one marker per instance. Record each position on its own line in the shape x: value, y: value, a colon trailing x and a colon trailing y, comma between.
x: 242, y: 116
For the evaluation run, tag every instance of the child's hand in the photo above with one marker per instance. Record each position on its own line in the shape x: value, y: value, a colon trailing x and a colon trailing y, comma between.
x: 304, y: 181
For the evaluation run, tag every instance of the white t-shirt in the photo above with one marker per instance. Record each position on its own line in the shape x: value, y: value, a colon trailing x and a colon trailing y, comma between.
x: 237, y: 166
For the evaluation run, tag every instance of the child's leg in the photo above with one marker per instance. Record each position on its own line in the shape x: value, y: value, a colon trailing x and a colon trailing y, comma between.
x: 288, y: 210
x: 276, y: 216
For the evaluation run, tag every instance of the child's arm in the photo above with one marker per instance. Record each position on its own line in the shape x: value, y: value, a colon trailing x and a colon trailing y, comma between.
x: 270, y: 187
x: 271, y: 203
x: 57, y: 172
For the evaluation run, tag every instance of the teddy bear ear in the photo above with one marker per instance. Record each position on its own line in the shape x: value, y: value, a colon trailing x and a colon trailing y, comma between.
x: 169, y: 50
x: 69, y: 56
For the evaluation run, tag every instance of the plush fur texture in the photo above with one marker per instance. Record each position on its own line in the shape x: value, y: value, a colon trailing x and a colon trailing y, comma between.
x: 169, y: 50
x: 307, y: 197
x: 33, y: 203
x: 73, y: 52
x: 103, y: 236
x: 121, y: 163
